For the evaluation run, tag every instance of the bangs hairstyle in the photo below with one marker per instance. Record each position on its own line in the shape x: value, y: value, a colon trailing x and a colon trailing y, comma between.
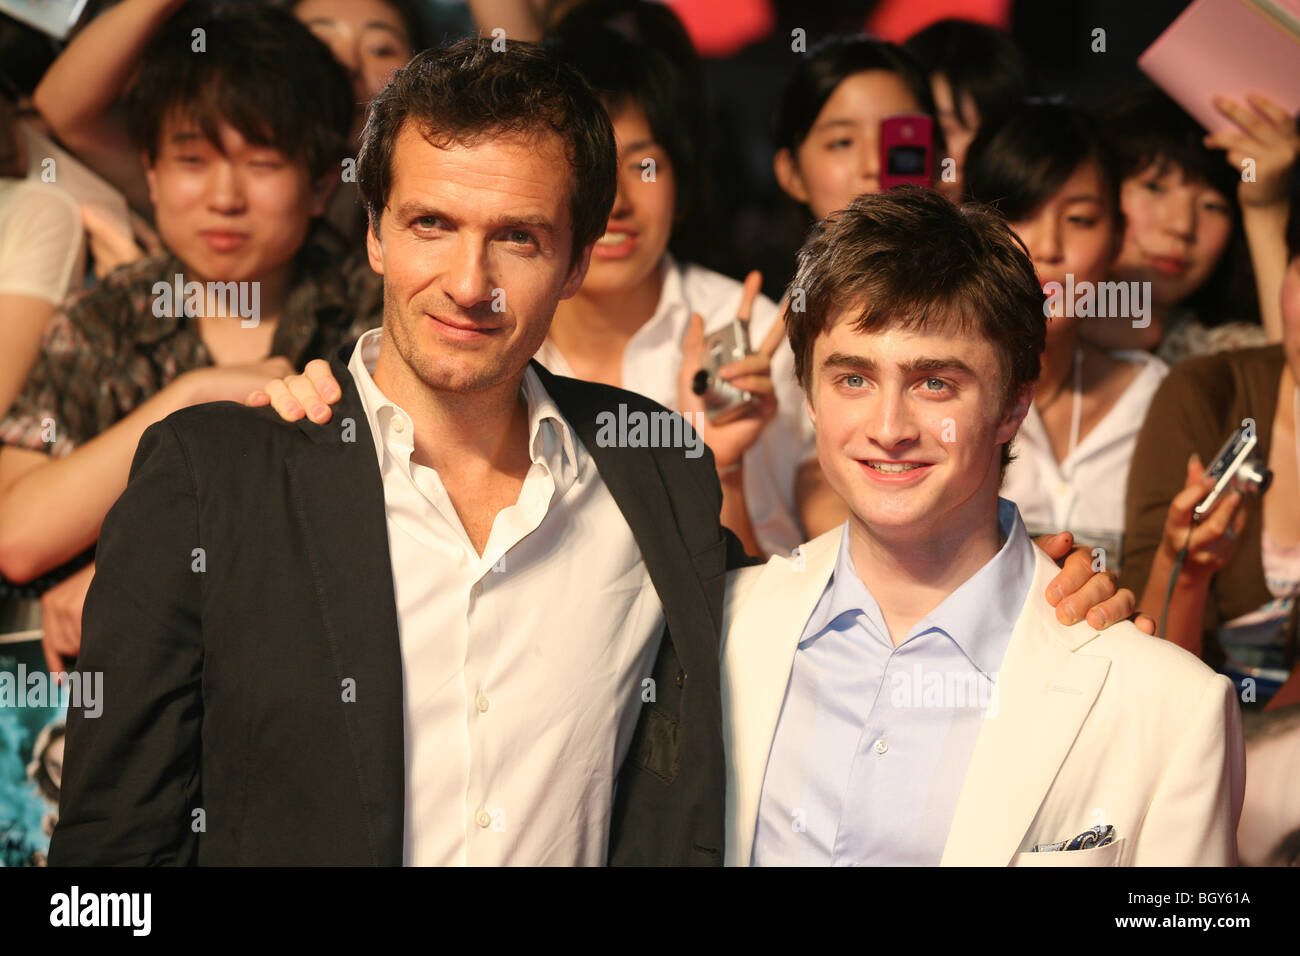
x: 977, y: 60
x: 417, y: 30
x: 910, y: 259
x: 664, y: 79
x: 459, y: 94
x: 830, y: 63
x: 1019, y: 161
x: 262, y: 72
x: 1146, y: 127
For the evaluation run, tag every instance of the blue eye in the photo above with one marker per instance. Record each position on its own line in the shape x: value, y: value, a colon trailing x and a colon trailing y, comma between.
x: 935, y: 384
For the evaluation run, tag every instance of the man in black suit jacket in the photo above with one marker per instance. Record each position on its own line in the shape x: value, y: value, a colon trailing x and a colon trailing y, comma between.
x: 243, y: 612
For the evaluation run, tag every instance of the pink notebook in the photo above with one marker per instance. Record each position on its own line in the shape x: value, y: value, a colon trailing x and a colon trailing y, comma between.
x: 1233, y: 47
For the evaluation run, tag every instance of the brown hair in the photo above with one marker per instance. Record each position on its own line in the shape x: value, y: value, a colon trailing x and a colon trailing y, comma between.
x: 460, y: 93
x: 908, y: 258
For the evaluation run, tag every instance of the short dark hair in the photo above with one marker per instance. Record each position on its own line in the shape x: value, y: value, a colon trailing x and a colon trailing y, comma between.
x: 261, y: 71
x: 908, y: 258
x: 830, y: 63
x: 462, y: 92
x: 978, y: 60
x: 665, y: 79
x: 1019, y: 160
x: 1145, y: 126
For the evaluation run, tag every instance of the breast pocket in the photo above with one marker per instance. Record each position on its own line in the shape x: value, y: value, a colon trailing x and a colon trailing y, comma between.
x: 1108, y: 855
x: 712, y: 561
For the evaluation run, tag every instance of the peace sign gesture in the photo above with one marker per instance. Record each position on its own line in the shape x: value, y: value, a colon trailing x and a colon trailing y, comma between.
x: 730, y: 441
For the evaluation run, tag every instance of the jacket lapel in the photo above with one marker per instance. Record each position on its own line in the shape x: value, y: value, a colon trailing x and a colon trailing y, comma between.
x: 632, y: 476
x: 1044, y: 692
x: 762, y: 630
x: 338, y: 500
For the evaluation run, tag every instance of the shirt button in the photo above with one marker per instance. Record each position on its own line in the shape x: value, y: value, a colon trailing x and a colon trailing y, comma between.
x: 881, y: 745
x: 483, y: 819
x: 399, y: 426
x: 481, y: 703
x: 1062, y: 489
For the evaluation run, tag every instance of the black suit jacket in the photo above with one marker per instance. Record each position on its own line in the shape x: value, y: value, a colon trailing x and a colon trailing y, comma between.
x: 225, y: 737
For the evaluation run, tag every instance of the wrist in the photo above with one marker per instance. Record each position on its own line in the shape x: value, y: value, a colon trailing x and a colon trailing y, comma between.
x: 733, y: 473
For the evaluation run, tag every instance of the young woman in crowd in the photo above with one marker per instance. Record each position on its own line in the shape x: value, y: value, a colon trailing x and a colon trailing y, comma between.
x: 1192, y: 206
x: 977, y: 73
x: 1048, y: 170
x: 1234, y: 598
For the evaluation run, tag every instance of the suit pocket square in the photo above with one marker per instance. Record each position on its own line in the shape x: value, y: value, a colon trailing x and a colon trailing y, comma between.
x: 1090, y: 838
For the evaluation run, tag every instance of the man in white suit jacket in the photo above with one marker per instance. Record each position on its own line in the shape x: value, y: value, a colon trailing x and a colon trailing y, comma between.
x: 1089, y: 748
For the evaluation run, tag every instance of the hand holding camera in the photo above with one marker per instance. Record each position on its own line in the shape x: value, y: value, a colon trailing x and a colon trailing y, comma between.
x: 727, y: 381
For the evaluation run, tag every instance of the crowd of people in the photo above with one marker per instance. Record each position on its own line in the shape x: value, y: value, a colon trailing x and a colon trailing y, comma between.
x: 191, y: 209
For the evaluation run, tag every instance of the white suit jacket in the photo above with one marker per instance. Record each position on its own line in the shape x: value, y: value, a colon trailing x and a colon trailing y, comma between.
x: 1086, y: 728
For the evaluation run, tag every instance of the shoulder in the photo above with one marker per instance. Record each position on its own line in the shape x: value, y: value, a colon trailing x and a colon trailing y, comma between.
x: 809, y: 564
x: 30, y: 204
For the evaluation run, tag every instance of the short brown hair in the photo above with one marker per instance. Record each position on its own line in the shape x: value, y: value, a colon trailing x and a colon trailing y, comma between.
x: 460, y: 93
x: 909, y: 258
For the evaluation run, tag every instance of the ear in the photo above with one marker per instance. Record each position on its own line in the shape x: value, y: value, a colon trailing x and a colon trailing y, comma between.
x: 1011, y: 421
x: 374, y: 247
x: 579, y: 273
x: 151, y: 177
x: 787, y: 175
x: 321, y: 191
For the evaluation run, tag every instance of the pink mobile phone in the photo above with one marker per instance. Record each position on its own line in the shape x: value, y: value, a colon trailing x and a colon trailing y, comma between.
x: 906, y: 150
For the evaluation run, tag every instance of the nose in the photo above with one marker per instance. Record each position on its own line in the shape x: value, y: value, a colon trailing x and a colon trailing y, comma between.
x: 225, y: 189
x: 869, y: 163
x: 466, y: 281
x: 891, y: 425
x: 1178, y: 216
x: 1043, y: 240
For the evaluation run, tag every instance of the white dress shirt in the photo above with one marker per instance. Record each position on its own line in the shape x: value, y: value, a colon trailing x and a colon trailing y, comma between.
x: 523, y: 667
x: 1084, y: 494
x: 653, y: 359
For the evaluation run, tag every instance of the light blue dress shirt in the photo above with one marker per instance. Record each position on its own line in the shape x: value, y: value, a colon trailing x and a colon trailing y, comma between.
x: 873, y: 741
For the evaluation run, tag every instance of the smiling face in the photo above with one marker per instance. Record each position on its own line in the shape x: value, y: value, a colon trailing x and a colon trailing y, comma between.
x: 1176, y: 231
x: 910, y: 426
x: 840, y: 157
x: 366, y: 36
x: 234, y: 213
x: 641, y: 222
x: 475, y: 247
x: 1072, y: 233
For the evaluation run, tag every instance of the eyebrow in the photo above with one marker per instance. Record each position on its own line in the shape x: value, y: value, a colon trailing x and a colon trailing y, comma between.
x: 826, y: 124
x: 640, y: 145
x: 415, y: 209
x: 945, y: 363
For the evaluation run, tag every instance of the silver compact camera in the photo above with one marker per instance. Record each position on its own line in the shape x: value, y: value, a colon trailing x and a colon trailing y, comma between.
x: 722, y: 400
x: 1235, y: 467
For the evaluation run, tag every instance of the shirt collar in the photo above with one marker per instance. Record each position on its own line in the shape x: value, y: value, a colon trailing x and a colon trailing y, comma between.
x: 978, y: 616
x: 551, y: 440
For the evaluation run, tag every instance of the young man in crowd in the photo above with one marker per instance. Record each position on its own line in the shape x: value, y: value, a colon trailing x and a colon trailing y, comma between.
x: 452, y: 625
x: 902, y: 692
x: 246, y: 286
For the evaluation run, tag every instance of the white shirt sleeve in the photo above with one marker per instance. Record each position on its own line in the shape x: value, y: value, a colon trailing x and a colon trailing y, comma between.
x: 42, y: 246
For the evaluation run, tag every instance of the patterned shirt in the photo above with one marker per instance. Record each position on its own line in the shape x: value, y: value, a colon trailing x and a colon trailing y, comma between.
x: 105, y: 351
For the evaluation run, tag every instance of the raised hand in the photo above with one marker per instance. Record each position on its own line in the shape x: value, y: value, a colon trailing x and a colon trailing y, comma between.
x: 731, y: 440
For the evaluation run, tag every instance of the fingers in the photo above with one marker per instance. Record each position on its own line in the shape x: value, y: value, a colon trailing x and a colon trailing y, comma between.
x: 775, y: 336
x: 1217, y: 522
x: 1056, y: 546
x: 753, y: 286
x: 53, y: 662
x: 1094, y: 592
x: 1272, y: 111
x: 1118, y: 607
x: 1146, y: 624
x: 327, y: 386
x: 1253, y: 123
x: 282, y: 400
x: 257, y: 399
x: 1076, y: 572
